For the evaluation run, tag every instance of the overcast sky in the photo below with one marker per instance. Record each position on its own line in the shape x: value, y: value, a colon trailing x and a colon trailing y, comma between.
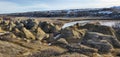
x: 12, y: 6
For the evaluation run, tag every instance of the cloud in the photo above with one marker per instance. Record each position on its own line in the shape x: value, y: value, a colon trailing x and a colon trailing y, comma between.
x: 111, y: 1
x: 108, y: 3
x: 13, y: 6
x: 10, y: 7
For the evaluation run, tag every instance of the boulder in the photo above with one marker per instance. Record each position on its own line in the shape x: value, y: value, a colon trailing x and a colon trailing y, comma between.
x: 103, y: 47
x: 57, y: 28
x: 63, y: 41
x: 70, y: 35
x: 40, y: 34
x: 28, y: 34
x: 118, y: 34
x: 73, y: 55
x: 99, y: 28
x: 1, y: 20
x: 11, y: 25
x: 31, y: 24
x: 104, y: 43
x: 18, y: 33
x: 19, y: 26
x: 117, y: 29
x: 5, y: 25
x: 96, y: 55
x: 5, y: 22
x: 17, y: 22
x: 49, y: 27
x: 12, y: 35
x: 1, y: 30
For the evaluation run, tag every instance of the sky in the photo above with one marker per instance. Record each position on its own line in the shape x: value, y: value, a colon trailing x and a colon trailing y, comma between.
x: 13, y: 6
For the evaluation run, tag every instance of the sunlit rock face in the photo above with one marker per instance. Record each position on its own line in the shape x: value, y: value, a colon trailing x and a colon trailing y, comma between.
x: 28, y: 34
x: 1, y: 30
x: 40, y: 34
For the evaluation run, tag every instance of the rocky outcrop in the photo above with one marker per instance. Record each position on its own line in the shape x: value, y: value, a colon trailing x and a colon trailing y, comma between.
x: 96, y: 36
x: 71, y: 35
x: 42, y: 38
x: 104, y: 43
x: 99, y: 28
x: 36, y: 29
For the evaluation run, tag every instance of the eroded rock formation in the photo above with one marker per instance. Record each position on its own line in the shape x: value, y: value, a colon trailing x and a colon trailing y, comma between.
x: 34, y: 37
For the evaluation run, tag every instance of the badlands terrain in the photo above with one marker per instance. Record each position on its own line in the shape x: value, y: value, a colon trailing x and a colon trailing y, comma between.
x: 45, y: 37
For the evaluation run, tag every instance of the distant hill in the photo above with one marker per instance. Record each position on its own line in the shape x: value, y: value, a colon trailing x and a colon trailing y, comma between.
x: 112, y: 12
x: 117, y: 7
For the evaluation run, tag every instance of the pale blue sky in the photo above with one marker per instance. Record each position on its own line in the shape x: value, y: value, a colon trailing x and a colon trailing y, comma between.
x: 12, y: 6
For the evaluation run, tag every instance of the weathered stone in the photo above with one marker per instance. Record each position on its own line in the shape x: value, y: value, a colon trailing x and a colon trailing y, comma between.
x: 96, y: 55
x: 40, y: 34
x: 18, y: 33
x: 104, y: 43
x: 28, y: 34
x: 117, y: 30
x: 100, y: 29
x: 19, y: 26
x: 63, y: 41
x: 11, y: 25
x: 30, y: 24
x: 1, y: 30
x: 9, y: 35
x: 49, y: 27
x: 72, y: 36
x: 1, y: 20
